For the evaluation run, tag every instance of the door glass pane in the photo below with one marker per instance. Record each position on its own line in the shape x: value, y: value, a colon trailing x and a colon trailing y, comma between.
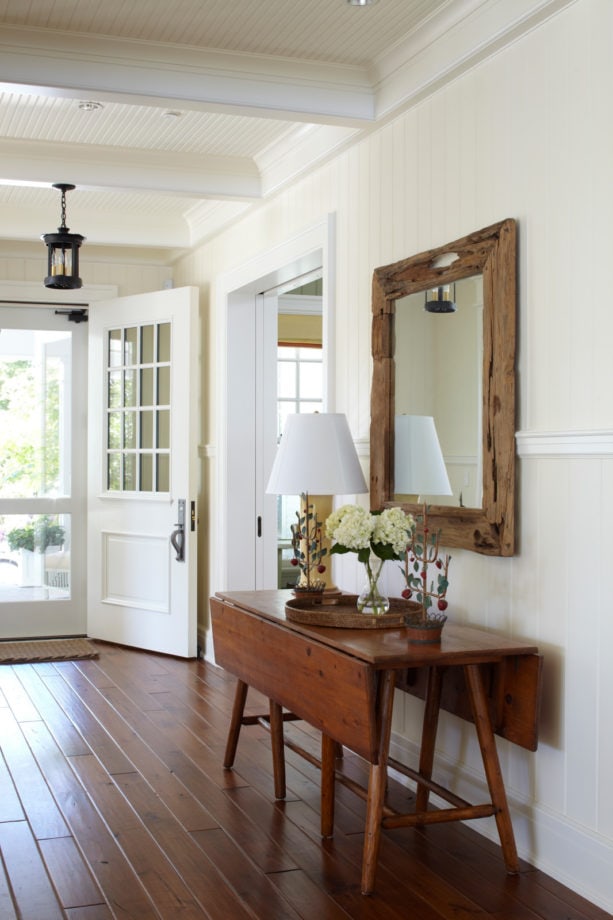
x: 163, y: 418
x: 146, y: 348
x: 129, y: 430
x: 129, y: 388
x: 114, y: 472
x: 146, y: 387
x: 163, y: 386
x: 163, y: 483
x: 164, y: 342
x: 146, y: 472
x: 114, y: 389
x: 114, y: 356
x: 34, y: 557
x: 129, y: 472
x: 130, y: 345
x: 135, y: 432
x: 35, y: 373
x: 146, y: 429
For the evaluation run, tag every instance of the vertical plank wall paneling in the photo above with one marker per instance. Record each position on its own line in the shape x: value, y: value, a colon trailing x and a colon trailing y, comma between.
x: 525, y: 134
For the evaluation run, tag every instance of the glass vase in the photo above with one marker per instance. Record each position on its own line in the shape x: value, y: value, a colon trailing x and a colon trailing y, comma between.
x: 371, y: 599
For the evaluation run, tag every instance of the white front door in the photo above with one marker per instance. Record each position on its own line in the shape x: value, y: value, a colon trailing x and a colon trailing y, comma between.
x: 144, y: 412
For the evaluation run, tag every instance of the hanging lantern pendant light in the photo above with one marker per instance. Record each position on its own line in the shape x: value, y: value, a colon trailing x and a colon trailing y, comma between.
x: 63, y: 251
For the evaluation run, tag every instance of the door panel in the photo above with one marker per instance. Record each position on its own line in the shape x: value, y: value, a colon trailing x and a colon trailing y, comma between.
x: 144, y: 432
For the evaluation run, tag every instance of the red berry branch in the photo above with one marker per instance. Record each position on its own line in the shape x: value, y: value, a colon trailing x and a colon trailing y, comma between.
x: 422, y: 552
x: 307, y: 547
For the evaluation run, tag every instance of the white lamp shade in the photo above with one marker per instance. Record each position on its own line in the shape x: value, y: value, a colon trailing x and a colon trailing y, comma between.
x: 419, y: 468
x: 316, y: 455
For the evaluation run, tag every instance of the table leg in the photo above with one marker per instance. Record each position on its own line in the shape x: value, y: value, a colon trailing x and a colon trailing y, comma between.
x: 328, y: 756
x: 278, y: 752
x: 240, y: 698
x: 428, y: 737
x: 377, y: 781
x: 491, y: 765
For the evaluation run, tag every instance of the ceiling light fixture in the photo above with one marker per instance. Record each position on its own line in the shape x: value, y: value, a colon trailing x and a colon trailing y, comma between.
x: 90, y: 106
x: 362, y: 2
x: 63, y: 251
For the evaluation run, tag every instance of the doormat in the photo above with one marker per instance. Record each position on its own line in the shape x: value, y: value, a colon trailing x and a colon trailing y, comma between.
x: 30, y: 651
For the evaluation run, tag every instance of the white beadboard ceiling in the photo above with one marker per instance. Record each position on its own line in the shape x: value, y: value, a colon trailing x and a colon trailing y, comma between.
x: 207, y: 107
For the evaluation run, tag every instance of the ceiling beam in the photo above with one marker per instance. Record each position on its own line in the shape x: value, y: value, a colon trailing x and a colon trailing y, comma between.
x: 102, y: 168
x: 82, y: 66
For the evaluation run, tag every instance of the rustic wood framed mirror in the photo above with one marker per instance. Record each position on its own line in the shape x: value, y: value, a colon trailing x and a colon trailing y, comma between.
x: 459, y: 369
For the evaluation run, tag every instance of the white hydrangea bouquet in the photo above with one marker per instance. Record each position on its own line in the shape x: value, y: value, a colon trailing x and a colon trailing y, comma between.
x: 374, y: 537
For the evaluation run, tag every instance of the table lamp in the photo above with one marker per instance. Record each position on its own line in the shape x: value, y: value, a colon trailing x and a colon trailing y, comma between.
x: 316, y: 456
x: 419, y: 468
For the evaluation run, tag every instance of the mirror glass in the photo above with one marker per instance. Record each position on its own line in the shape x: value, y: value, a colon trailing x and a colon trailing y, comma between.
x: 442, y: 378
x: 443, y: 346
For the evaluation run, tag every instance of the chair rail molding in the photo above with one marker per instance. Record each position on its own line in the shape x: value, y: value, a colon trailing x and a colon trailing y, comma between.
x: 596, y: 443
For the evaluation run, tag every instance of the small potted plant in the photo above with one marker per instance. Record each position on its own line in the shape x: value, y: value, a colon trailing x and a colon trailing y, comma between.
x: 422, y: 552
x: 32, y: 540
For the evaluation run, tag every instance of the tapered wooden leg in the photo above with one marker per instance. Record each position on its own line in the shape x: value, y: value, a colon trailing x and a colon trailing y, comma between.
x: 328, y: 756
x: 240, y: 697
x: 278, y: 752
x: 428, y: 737
x: 491, y: 766
x: 377, y: 782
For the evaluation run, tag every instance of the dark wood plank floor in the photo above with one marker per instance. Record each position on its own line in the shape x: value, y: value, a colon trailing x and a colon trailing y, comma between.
x: 114, y: 803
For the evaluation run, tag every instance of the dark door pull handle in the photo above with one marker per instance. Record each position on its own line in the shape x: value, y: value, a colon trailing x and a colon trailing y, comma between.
x: 177, y: 539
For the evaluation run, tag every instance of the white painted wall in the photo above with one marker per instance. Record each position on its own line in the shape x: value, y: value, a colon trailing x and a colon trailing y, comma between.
x: 526, y: 134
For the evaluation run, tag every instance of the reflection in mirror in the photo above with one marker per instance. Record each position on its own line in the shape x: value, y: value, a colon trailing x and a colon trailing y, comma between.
x: 442, y: 379
x: 453, y: 361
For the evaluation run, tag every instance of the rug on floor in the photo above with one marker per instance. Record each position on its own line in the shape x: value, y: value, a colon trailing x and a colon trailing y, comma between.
x: 34, y: 650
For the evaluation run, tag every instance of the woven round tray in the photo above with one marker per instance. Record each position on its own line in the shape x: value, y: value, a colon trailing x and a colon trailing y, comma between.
x: 341, y: 612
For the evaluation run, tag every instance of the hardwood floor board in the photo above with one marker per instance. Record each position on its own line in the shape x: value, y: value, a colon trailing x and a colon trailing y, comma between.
x: 210, y: 762
x: 349, y: 848
x: 7, y: 905
x: 318, y: 859
x: 254, y: 888
x: 16, y: 696
x: 67, y: 736
x: 10, y: 806
x: 307, y: 897
x: 31, y: 888
x: 570, y: 900
x: 126, y: 673
x: 92, y: 912
x: 196, y: 870
x: 72, y: 880
x: 99, y: 741
x: 206, y: 731
x: 36, y: 800
x: 264, y: 853
x: 114, y: 875
x: 166, y: 785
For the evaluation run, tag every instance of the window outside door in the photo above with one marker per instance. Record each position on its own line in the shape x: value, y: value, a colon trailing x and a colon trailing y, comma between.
x: 42, y: 474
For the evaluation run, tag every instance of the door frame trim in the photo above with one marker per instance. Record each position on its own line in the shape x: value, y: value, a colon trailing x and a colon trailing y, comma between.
x: 310, y: 249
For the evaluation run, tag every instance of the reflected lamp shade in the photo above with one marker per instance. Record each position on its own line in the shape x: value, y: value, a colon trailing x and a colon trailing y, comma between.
x: 317, y: 456
x: 419, y: 468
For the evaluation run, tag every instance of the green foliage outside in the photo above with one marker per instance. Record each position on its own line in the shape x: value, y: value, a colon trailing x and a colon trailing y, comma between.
x: 37, y: 536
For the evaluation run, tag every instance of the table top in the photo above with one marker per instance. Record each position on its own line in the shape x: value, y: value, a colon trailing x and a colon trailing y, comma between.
x: 385, y: 648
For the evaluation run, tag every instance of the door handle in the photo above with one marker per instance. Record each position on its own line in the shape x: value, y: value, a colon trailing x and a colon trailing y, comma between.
x: 177, y: 537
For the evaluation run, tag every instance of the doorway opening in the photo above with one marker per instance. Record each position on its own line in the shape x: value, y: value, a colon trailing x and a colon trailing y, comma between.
x: 42, y: 474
